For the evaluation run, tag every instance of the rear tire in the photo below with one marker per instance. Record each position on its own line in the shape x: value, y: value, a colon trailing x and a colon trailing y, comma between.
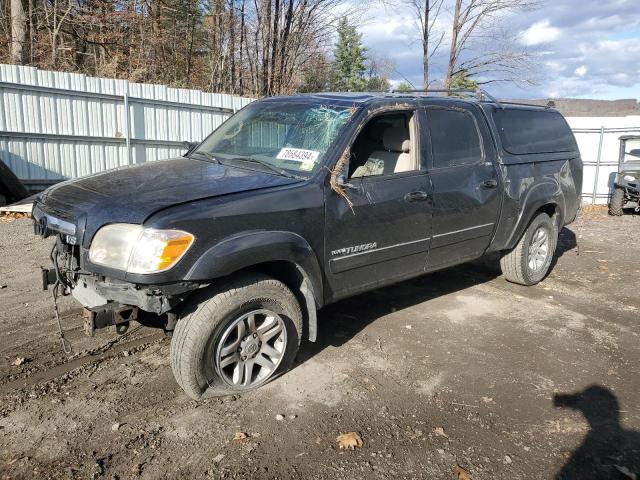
x: 617, y: 202
x: 529, y: 261
x: 216, y: 351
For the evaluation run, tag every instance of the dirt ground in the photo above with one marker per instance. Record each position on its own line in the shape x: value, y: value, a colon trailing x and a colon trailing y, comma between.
x: 453, y: 368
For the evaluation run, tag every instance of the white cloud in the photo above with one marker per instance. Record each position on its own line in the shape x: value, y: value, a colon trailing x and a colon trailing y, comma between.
x: 579, y: 52
x: 555, y: 66
x: 539, y: 33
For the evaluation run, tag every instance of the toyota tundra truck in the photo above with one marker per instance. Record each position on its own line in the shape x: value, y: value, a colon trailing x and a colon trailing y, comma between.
x: 297, y: 202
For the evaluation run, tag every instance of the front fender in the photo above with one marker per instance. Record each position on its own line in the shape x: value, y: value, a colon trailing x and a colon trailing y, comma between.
x: 251, y: 248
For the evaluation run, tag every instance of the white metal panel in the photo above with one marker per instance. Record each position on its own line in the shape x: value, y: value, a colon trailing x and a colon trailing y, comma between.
x: 599, y: 142
x: 56, y: 125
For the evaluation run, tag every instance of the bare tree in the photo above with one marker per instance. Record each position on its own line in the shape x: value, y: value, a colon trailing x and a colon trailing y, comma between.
x: 480, y: 47
x: 18, y: 31
x: 426, y: 13
x: 248, y: 47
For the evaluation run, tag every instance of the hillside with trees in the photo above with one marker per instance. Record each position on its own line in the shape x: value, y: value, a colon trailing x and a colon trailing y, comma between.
x: 257, y: 47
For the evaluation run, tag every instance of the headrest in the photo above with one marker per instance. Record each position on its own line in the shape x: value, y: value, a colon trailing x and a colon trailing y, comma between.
x: 396, y: 139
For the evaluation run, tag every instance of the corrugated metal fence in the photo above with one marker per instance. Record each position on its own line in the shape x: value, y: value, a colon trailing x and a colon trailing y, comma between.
x: 599, y: 142
x: 56, y: 125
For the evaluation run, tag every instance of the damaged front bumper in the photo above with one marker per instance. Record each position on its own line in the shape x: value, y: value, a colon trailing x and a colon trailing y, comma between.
x: 96, y: 292
x: 108, y: 301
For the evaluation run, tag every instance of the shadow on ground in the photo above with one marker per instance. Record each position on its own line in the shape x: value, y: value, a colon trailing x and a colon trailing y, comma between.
x: 340, y: 322
x: 608, y: 451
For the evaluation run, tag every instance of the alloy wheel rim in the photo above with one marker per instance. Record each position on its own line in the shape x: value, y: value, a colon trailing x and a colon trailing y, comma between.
x: 538, y: 249
x: 251, y: 348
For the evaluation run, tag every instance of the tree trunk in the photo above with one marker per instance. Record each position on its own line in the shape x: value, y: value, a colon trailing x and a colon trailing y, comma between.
x: 274, y: 48
x: 232, y: 46
x: 453, y: 52
x: 242, y: 40
x: 18, y: 32
x: 425, y: 46
x: 266, y: 42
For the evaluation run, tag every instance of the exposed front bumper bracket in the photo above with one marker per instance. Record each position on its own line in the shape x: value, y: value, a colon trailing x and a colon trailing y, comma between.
x: 49, y: 277
x: 110, y: 314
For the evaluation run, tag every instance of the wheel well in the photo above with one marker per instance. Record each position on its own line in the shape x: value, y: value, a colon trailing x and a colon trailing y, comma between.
x: 550, y: 209
x: 294, y: 278
x: 554, y: 213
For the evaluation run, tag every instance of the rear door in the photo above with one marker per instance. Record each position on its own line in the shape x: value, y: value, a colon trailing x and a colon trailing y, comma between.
x: 465, y: 182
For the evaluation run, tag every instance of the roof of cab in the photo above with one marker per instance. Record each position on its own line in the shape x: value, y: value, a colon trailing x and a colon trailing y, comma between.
x: 348, y: 99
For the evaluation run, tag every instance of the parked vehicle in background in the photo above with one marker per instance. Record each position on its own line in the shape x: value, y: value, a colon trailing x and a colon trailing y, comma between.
x: 626, y: 188
x: 11, y: 188
x: 297, y: 202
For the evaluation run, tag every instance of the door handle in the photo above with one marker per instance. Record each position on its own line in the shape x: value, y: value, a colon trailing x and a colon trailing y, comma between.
x: 418, y: 196
x: 489, y: 184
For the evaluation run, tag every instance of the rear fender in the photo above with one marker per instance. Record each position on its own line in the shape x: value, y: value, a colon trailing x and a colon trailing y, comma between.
x: 538, y: 196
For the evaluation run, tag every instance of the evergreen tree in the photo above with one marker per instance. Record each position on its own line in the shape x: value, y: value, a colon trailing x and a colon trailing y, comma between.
x: 403, y: 87
x: 377, y: 84
x: 463, y: 81
x: 349, y: 65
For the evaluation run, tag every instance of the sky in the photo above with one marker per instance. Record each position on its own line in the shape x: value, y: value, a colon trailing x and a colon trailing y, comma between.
x: 579, y: 48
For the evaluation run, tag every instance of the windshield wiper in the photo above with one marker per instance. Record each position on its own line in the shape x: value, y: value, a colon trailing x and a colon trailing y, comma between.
x: 273, y: 168
x: 209, y: 156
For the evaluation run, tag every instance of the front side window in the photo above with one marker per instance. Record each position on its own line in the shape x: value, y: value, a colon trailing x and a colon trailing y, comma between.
x: 385, y: 146
x: 454, y: 138
x: 292, y: 137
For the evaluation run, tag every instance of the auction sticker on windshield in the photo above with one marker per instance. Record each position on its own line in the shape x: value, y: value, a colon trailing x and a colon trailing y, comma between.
x: 298, y: 155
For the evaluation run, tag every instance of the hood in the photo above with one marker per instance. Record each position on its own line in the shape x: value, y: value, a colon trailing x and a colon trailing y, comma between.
x: 132, y: 194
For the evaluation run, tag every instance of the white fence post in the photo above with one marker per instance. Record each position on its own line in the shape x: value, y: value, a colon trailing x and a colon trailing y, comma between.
x: 598, y: 160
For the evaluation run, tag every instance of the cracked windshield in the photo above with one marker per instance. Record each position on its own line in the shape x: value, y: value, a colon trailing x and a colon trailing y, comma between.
x: 284, y: 138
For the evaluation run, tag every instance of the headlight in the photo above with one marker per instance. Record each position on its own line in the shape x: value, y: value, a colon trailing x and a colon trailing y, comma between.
x: 137, y: 249
x: 629, y: 178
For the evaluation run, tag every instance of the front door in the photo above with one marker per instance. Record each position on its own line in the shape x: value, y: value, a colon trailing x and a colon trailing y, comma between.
x: 385, y: 235
x: 466, y: 186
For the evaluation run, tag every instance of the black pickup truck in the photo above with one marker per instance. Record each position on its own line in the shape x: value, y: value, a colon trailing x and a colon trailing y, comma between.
x: 296, y: 202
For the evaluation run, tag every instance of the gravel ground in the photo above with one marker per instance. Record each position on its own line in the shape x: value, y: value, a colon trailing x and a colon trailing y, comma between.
x: 456, y: 368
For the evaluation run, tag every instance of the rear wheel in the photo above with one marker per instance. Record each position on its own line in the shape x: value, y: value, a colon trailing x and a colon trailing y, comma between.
x: 237, y: 339
x: 617, y: 202
x: 529, y: 261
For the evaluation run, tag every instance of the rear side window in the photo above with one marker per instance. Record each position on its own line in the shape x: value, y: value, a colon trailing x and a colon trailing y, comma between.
x: 525, y: 131
x: 454, y: 138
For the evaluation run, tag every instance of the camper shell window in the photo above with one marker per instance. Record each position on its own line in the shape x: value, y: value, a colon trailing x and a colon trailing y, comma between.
x: 527, y: 131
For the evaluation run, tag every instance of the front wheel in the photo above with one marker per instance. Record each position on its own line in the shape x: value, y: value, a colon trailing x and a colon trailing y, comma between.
x: 235, y: 339
x: 617, y: 202
x: 529, y: 261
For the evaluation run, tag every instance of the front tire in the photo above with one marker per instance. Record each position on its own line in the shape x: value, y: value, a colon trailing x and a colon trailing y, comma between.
x: 617, y: 202
x: 529, y: 261
x: 236, y: 339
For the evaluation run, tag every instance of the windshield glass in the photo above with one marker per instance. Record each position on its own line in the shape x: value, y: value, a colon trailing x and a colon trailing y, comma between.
x: 632, y: 150
x: 291, y: 137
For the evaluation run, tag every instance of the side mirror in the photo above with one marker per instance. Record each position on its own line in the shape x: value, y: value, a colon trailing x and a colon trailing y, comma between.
x: 190, y: 146
x: 342, y: 181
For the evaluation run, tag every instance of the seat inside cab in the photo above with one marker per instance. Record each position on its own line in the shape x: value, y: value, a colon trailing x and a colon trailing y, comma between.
x: 385, y: 145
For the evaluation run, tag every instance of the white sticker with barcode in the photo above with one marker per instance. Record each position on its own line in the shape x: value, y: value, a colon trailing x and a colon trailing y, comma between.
x: 298, y: 155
